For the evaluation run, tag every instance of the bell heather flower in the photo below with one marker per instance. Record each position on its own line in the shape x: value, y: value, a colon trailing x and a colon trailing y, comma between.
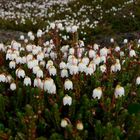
x: 27, y: 81
x: 138, y: 80
x: 119, y: 91
x: 68, y: 84
x: 20, y: 73
x: 52, y: 70
x: 79, y: 126
x: 2, y: 78
x: 132, y: 53
x: 97, y: 93
x: 12, y: 64
x: 64, y: 73
x: 13, y: 86
x: 64, y: 123
x: 67, y: 100
x: 49, y: 86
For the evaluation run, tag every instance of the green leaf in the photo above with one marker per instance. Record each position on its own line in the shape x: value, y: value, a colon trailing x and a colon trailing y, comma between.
x: 134, y: 108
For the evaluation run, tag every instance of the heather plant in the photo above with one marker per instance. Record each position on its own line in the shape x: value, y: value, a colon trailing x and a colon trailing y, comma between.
x: 54, y: 86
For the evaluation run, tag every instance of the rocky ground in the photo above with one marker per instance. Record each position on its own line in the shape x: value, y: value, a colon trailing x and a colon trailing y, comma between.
x: 8, y: 35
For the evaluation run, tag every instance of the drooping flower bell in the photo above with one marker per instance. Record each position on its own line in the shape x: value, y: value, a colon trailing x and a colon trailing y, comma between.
x: 2, y: 77
x: 39, y: 73
x: 49, y: 85
x: 125, y: 41
x: 52, y: 71
x: 62, y: 65
x: 73, y: 69
x: 97, y: 93
x: 39, y: 33
x: 37, y: 82
x: 68, y: 84
x: 64, y: 123
x: 132, y: 53
x: 67, y: 100
x: 119, y: 91
x: 20, y: 73
x: 103, y: 51
x: 79, y: 126
x: 27, y: 81
x: 74, y: 29
x: 13, y: 86
x: 64, y: 73
x: 92, y: 53
x: 103, y: 68
x: 138, y: 80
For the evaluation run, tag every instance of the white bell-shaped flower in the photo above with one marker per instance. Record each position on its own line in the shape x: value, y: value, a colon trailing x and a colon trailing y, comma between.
x: 125, y: 41
x: 40, y: 56
x: 97, y: 93
x: 64, y: 123
x: 18, y: 60
x: 64, y: 73
x: 2, y: 78
x: 132, y: 53
x: 9, y: 78
x: 37, y: 82
x: 42, y: 63
x: 74, y: 29
x: 29, y: 57
x: 39, y: 33
x: 112, y: 69
x: 97, y: 60
x: 121, y: 53
x: 62, y: 65
x: 117, y: 66
x: 103, y: 51
x: 68, y: 29
x: 79, y: 126
x: 2, y: 47
x: 60, y: 26
x: 96, y: 47
x: 119, y: 91
x: 39, y: 73
x: 32, y: 37
x: 71, y: 51
x: 52, y: 71
x: 52, y: 25
x: 13, y: 86
x: 138, y: 80
x: 29, y: 48
x: 22, y: 37
x: 117, y: 48
x: 49, y: 86
x: 89, y: 70
x: 92, y: 53
x: 27, y: 81
x: 67, y: 100
x: 103, y: 68
x: 52, y: 89
x: 68, y: 84
x: 82, y: 67
x: 20, y: 73
x: 36, y: 69
x: 12, y: 65
x: 85, y: 60
x: 112, y: 40
x: 73, y: 69
x: 49, y: 63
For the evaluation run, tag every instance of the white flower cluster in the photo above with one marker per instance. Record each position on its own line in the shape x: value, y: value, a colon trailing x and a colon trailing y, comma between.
x: 20, y: 12
x: 45, y: 62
